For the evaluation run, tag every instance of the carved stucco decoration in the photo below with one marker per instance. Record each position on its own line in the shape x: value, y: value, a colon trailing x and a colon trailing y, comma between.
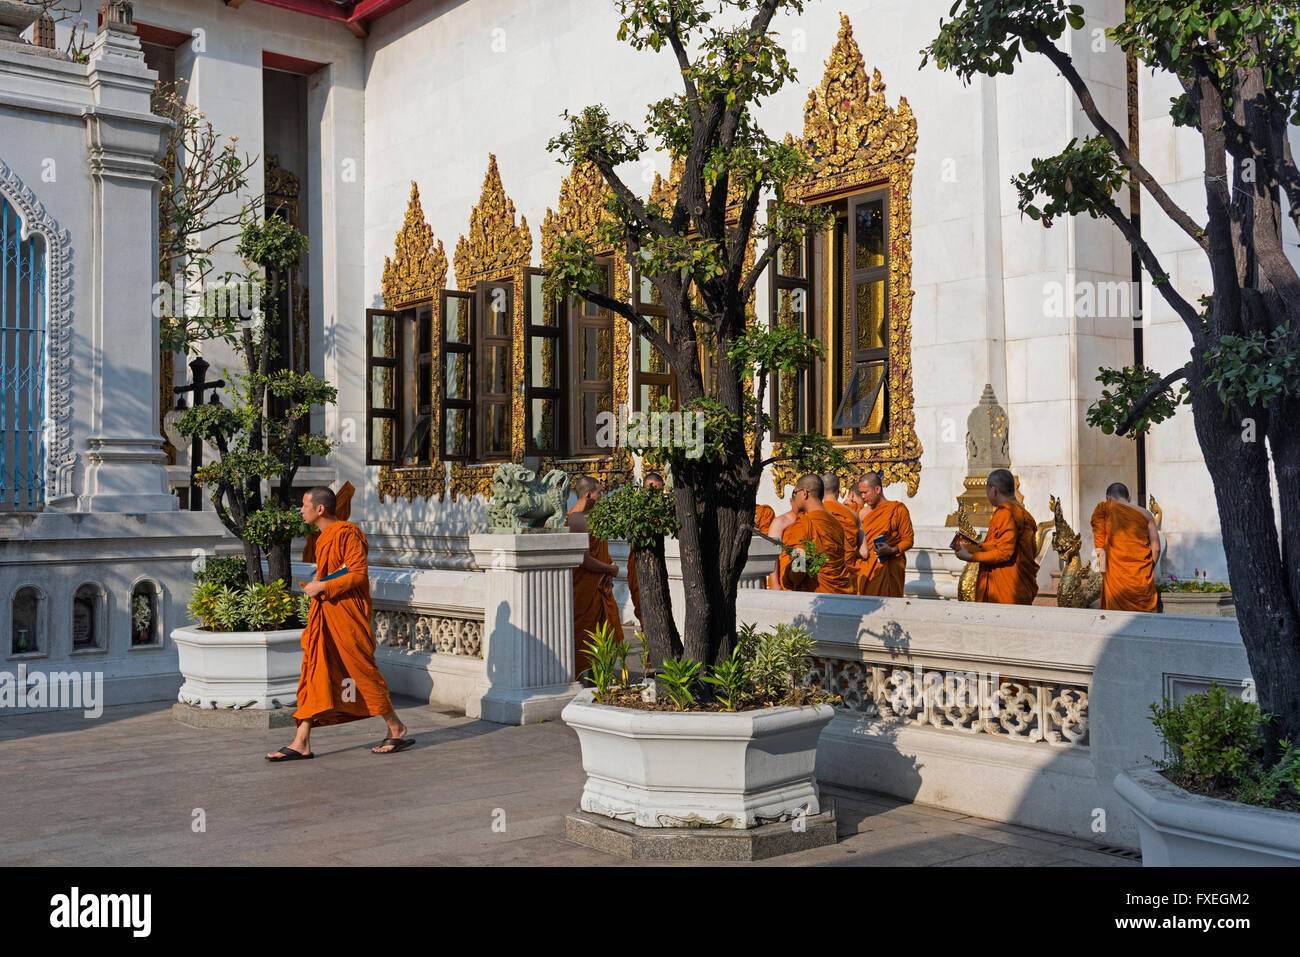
x: 60, y: 458
x: 581, y: 210
x: 416, y: 272
x: 856, y: 141
x: 496, y: 248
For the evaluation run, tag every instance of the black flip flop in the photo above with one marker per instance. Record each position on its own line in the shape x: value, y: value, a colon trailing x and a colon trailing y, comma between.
x: 399, y: 744
x: 290, y: 755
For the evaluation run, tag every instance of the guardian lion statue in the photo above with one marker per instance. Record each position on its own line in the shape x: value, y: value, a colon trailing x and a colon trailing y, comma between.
x: 521, y: 502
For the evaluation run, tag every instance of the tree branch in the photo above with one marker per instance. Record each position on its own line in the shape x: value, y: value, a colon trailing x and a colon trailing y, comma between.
x: 1063, y: 62
x: 1148, y: 397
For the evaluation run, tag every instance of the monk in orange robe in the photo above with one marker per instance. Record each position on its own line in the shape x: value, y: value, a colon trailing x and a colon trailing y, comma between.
x: 342, y: 512
x: 1008, y: 563
x: 1128, y: 536
x: 848, y: 520
x: 654, y: 480
x: 340, y: 681
x: 883, y: 567
x: 593, y: 590
x: 763, y: 518
x: 813, y: 523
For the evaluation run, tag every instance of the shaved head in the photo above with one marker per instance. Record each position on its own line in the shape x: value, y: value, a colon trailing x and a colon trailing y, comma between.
x: 830, y: 486
x: 655, y: 479
x: 324, y: 497
x: 1003, y: 481
x: 584, y: 484
x: 1118, y: 490
x: 813, y: 483
x: 870, y: 478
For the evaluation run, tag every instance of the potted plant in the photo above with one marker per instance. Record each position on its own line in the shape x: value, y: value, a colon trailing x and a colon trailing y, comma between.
x: 662, y: 754
x: 1196, y: 596
x: 239, y: 654
x: 1222, y: 797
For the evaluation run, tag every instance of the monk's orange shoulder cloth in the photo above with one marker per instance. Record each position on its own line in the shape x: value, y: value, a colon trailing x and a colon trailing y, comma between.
x: 593, y: 603
x: 848, y: 520
x: 1008, y: 572
x: 885, y: 578
x: 763, y: 517
x: 340, y: 681
x: 1128, y: 584
x: 826, y: 533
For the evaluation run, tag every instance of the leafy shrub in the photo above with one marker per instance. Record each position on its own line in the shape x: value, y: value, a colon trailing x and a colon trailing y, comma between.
x: 245, y: 608
x: 731, y: 678
x: 605, y: 653
x: 778, y: 661
x: 225, y: 570
x: 678, y: 677
x: 203, y: 603
x: 1216, y: 742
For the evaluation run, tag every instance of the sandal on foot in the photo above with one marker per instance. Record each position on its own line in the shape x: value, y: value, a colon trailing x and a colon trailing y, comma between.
x: 290, y: 755
x: 399, y: 744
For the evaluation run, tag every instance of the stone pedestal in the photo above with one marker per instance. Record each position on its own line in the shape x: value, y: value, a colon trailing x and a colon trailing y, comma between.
x: 528, y: 623
x: 986, y: 449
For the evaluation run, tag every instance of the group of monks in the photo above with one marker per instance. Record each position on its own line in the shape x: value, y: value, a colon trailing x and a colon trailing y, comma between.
x: 862, y: 540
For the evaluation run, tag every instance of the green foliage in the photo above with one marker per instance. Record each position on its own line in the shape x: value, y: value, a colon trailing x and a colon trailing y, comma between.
x: 731, y: 678
x: 814, y: 559
x: 1079, y: 179
x: 244, y: 607
x: 1125, y: 387
x: 302, y: 606
x: 678, y: 677
x: 640, y: 515
x: 987, y: 35
x: 608, y: 660
x: 274, y: 525
x: 272, y: 243
x: 1259, y: 369
x: 224, y: 570
x: 1216, y: 740
x: 778, y: 661
x: 785, y: 349
x: 1197, y: 584
x: 812, y: 452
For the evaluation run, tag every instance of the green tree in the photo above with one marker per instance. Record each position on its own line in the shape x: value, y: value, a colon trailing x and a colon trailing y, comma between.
x: 693, y: 250
x: 1237, y: 65
x: 266, y: 433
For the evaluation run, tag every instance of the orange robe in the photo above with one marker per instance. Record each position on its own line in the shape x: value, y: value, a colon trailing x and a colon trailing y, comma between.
x: 763, y: 517
x: 828, y: 535
x: 593, y: 603
x: 340, y: 681
x: 885, y: 578
x: 1128, y: 583
x: 1008, y: 568
x: 848, y: 520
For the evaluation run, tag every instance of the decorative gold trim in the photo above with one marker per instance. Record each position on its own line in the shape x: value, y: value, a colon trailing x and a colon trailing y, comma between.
x: 496, y: 249
x: 855, y: 141
x: 417, y: 271
x: 581, y: 210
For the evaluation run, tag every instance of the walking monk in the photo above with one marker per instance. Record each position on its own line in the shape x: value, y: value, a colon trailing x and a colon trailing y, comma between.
x: 882, y: 567
x: 593, y: 590
x: 1008, y: 563
x: 1132, y: 546
x: 652, y: 480
x: 813, y: 523
x: 848, y: 520
x: 340, y: 681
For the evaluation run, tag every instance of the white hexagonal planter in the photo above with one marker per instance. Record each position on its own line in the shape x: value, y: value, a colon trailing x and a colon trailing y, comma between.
x: 239, y: 669
x: 698, y: 769
x: 1180, y: 829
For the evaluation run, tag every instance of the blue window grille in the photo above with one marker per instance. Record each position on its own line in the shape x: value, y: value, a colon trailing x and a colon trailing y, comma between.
x: 22, y: 366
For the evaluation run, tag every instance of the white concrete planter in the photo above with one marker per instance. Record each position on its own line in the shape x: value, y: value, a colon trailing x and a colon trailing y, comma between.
x: 698, y: 769
x: 239, y: 669
x: 1179, y: 829
x: 1212, y: 604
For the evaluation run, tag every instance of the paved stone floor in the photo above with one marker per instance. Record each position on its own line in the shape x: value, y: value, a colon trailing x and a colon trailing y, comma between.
x: 126, y: 789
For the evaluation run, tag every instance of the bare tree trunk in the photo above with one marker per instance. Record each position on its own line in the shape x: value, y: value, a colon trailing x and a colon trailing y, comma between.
x: 1263, y: 589
x: 662, y: 638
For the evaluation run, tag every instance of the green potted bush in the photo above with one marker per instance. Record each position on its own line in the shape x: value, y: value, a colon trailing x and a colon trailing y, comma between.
x: 1222, y: 795
x: 1196, y: 596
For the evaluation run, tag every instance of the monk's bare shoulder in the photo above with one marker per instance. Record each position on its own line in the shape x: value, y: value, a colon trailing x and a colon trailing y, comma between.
x: 1146, y: 514
x: 577, y: 521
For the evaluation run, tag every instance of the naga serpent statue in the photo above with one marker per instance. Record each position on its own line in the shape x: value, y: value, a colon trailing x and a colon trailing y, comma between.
x: 1080, y: 583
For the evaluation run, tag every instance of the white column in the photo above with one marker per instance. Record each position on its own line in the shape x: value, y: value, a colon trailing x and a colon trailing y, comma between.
x: 528, y: 623
x: 125, y: 465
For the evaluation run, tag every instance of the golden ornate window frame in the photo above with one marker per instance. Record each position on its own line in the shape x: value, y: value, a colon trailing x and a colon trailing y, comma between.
x: 414, y: 276
x: 579, y: 214
x: 855, y: 142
